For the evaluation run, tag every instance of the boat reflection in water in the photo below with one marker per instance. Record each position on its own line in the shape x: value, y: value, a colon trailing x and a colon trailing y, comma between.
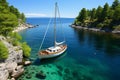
x: 49, y: 60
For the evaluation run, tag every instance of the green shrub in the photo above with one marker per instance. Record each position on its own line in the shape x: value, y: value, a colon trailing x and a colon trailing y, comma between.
x: 117, y: 27
x: 15, y: 42
x: 14, y: 39
x: 15, y: 36
x: 3, y: 51
x: 26, y: 50
x: 100, y: 25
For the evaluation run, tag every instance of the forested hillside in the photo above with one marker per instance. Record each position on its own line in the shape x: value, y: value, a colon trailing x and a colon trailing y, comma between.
x: 9, y: 17
x: 106, y: 17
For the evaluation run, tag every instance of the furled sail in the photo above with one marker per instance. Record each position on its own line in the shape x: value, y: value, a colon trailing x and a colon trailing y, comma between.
x: 59, y: 43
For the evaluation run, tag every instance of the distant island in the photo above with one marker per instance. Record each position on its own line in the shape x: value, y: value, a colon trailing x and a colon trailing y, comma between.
x: 13, y: 52
x: 105, y: 18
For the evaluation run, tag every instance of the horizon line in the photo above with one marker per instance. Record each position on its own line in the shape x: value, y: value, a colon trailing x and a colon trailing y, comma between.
x: 48, y: 17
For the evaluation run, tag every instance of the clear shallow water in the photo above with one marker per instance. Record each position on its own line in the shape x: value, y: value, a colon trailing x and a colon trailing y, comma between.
x: 90, y: 55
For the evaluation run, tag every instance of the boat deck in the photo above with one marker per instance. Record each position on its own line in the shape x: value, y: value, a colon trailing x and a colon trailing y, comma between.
x: 44, y: 52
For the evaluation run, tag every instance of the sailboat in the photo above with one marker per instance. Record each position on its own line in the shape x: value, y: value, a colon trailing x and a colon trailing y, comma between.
x: 57, y: 49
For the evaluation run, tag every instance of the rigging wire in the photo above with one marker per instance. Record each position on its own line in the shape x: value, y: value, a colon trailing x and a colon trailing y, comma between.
x: 61, y: 24
x: 48, y: 28
x: 45, y: 34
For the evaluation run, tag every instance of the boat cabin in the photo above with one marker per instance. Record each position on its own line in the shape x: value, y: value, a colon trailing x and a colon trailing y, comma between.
x: 53, y: 49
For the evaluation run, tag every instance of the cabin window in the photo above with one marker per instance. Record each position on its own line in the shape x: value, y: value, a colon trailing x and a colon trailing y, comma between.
x: 50, y: 50
x: 53, y: 50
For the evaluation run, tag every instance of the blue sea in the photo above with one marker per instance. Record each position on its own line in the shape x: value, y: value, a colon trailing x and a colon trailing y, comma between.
x: 90, y: 55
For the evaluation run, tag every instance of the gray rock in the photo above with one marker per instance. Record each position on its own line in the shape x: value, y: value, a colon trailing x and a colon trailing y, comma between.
x: 12, y: 79
x: 11, y: 66
x: 27, y: 63
x: 18, y: 71
x: 4, y: 74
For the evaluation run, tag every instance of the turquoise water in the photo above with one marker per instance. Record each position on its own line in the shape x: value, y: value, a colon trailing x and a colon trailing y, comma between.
x: 90, y: 55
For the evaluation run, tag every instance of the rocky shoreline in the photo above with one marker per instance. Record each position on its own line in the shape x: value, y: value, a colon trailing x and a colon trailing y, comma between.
x: 23, y: 26
x: 12, y: 67
x: 94, y: 29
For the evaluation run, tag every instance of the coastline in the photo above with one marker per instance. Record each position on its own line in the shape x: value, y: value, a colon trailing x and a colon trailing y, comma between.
x: 94, y: 29
x: 13, y: 67
x: 22, y: 27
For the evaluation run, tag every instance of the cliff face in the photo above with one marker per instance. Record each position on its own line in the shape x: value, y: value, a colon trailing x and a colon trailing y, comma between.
x: 10, y: 65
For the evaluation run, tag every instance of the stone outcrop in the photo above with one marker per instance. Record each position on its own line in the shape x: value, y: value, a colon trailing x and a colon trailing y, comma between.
x: 18, y: 71
x: 10, y: 65
x: 27, y: 63
x: 96, y: 29
x: 23, y: 26
x: 4, y: 74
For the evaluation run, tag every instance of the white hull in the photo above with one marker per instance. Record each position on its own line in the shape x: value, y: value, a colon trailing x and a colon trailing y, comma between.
x: 52, y: 55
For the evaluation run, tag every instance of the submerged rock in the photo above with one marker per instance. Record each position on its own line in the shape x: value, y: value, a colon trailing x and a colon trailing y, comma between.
x: 67, y: 70
x: 75, y: 73
x: 47, y: 72
x: 59, y: 67
x: 29, y: 76
x: 40, y: 75
x: 53, y: 73
x: 60, y: 73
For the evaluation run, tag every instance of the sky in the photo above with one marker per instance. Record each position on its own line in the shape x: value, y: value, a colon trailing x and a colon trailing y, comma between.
x: 45, y: 8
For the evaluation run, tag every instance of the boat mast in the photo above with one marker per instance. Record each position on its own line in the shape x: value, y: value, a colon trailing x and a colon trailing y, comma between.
x: 55, y: 25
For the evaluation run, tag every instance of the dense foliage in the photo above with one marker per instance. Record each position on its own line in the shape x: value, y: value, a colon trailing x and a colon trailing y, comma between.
x: 3, y: 51
x: 15, y: 39
x: 106, y: 17
x: 9, y: 17
x: 26, y: 50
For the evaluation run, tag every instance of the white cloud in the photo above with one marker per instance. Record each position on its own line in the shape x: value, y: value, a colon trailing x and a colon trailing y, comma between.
x: 35, y: 15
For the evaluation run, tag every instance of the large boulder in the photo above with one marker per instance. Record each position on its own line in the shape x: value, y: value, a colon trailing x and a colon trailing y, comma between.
x: 27, y: 63
x: 4, y: 74
x: 15, y: 55
x: 11, y: 66
x: 18, y: 71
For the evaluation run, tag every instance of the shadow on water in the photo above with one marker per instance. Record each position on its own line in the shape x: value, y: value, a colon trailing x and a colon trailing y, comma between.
x: 50, y: 60
x: 103, y: 42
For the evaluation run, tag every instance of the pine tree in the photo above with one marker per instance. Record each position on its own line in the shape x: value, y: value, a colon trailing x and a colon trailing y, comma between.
x: 82, y: 15
x: 117, y: 13
x: 105, y: 12
x: 93, y: 14
x: 115, y: 4
x: 99, y: 12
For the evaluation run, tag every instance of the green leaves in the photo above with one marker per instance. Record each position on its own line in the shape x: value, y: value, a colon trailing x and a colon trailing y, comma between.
x: 105, y: 12
x: 26, y: 50
x: 117, y: 13
x: 82, y: 15
x: 9, y: 17
x: 102, y: 17
x: 3, y: 51
x: 15, y: 38
x: 115, y: 4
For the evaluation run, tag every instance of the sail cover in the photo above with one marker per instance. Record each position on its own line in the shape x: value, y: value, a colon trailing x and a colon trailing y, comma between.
x: 59, y: 43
